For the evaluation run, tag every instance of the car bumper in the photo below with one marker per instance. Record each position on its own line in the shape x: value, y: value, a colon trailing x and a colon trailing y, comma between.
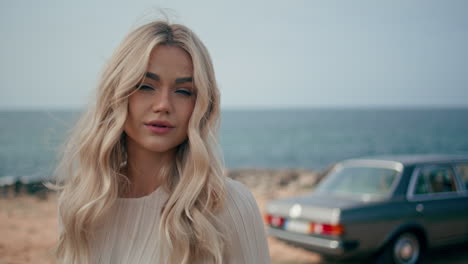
x: 326, y: 246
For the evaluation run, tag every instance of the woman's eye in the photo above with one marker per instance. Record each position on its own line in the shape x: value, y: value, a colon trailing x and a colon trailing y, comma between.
x: 145, y: 87
x: 184, y: 92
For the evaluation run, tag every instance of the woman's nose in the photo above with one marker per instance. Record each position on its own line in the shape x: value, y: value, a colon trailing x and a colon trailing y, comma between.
x: 162, y: 102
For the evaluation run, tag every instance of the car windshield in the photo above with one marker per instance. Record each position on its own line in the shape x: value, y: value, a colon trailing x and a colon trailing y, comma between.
x: 368, y: 182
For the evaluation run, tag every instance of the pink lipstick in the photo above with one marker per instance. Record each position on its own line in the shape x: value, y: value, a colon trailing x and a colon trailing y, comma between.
x: 159, y: 127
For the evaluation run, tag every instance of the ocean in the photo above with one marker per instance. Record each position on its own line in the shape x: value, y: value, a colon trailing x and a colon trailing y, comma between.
x: 303, y: 138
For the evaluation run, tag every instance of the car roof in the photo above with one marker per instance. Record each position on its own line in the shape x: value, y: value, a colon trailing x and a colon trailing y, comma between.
x: 416, y: 158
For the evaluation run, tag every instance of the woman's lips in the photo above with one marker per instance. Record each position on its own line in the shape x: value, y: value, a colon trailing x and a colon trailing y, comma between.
x: 159, y: 129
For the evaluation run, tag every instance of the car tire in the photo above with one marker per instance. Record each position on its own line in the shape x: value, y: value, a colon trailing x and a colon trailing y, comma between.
x: 406, y: 248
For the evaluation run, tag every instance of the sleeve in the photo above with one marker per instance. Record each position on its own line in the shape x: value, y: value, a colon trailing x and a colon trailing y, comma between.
x: 246, y: 234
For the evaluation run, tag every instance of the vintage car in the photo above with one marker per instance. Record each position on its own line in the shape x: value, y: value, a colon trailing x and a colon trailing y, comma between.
x: 391, y: 209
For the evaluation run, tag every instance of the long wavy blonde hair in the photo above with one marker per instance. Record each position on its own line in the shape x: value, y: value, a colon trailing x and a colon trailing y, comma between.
x: 89, y: 175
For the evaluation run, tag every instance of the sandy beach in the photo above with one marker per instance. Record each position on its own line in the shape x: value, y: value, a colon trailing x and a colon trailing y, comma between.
x: 28, y: 229
x: 28, y: 224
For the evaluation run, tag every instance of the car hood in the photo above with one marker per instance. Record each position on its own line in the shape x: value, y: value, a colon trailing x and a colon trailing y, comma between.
x: 313, y: 207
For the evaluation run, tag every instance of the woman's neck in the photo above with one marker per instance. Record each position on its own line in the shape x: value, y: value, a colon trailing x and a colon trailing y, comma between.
x: 144, y: 169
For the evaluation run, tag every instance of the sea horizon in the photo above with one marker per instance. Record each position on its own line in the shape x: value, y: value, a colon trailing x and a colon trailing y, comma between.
x: 309, y: 138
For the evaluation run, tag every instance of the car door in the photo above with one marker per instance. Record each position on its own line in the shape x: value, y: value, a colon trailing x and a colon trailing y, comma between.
x: 461, y: 169
x: 436, y: 196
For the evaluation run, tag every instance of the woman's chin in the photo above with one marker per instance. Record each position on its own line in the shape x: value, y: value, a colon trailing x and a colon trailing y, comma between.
x: 161, y: 148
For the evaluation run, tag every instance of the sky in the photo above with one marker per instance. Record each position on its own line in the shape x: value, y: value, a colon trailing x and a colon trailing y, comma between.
x: 267, y: 54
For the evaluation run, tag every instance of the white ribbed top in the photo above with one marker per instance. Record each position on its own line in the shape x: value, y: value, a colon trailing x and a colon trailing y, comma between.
x: 130, y: 233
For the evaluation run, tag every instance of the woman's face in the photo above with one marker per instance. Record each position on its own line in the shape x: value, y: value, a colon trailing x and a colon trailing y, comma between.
x: 159, y: 112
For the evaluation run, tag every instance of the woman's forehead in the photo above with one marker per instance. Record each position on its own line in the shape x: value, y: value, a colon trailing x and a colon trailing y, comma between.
x: 169, y: 61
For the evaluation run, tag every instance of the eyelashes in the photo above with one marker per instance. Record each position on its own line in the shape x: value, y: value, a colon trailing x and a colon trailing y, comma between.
x: 144, y: 88
x: 185, y: 92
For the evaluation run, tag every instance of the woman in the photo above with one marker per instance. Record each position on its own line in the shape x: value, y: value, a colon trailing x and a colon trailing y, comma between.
x: 141, y: 180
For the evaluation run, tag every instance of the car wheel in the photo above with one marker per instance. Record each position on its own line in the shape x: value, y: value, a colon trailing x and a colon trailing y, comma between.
x: 404, y: 249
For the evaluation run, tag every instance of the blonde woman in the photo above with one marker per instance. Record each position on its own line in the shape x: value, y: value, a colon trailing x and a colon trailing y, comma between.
x: 141, y: 180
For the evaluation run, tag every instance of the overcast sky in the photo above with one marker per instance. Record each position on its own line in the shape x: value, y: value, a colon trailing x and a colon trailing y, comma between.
x: 266, y: 53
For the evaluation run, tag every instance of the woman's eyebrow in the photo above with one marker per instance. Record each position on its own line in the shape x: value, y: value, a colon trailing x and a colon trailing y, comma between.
x: 155, y: 77
x: 184, y: 80
x: 152, y: 76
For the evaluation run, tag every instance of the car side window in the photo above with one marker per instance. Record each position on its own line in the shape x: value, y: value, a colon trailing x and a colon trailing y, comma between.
x: 433, y: 180
x: 462, y: 170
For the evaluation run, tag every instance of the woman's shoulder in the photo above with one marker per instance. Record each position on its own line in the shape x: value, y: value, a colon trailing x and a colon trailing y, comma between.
x: 238, y: 192
x: 245, y: 230
x: 236, y: 186
x: 239, y: 202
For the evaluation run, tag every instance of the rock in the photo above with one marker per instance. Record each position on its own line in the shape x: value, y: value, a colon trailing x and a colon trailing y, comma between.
x: 264, y: 181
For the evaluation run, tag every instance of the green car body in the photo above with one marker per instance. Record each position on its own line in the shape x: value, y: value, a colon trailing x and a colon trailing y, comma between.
x: 393, y: 207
